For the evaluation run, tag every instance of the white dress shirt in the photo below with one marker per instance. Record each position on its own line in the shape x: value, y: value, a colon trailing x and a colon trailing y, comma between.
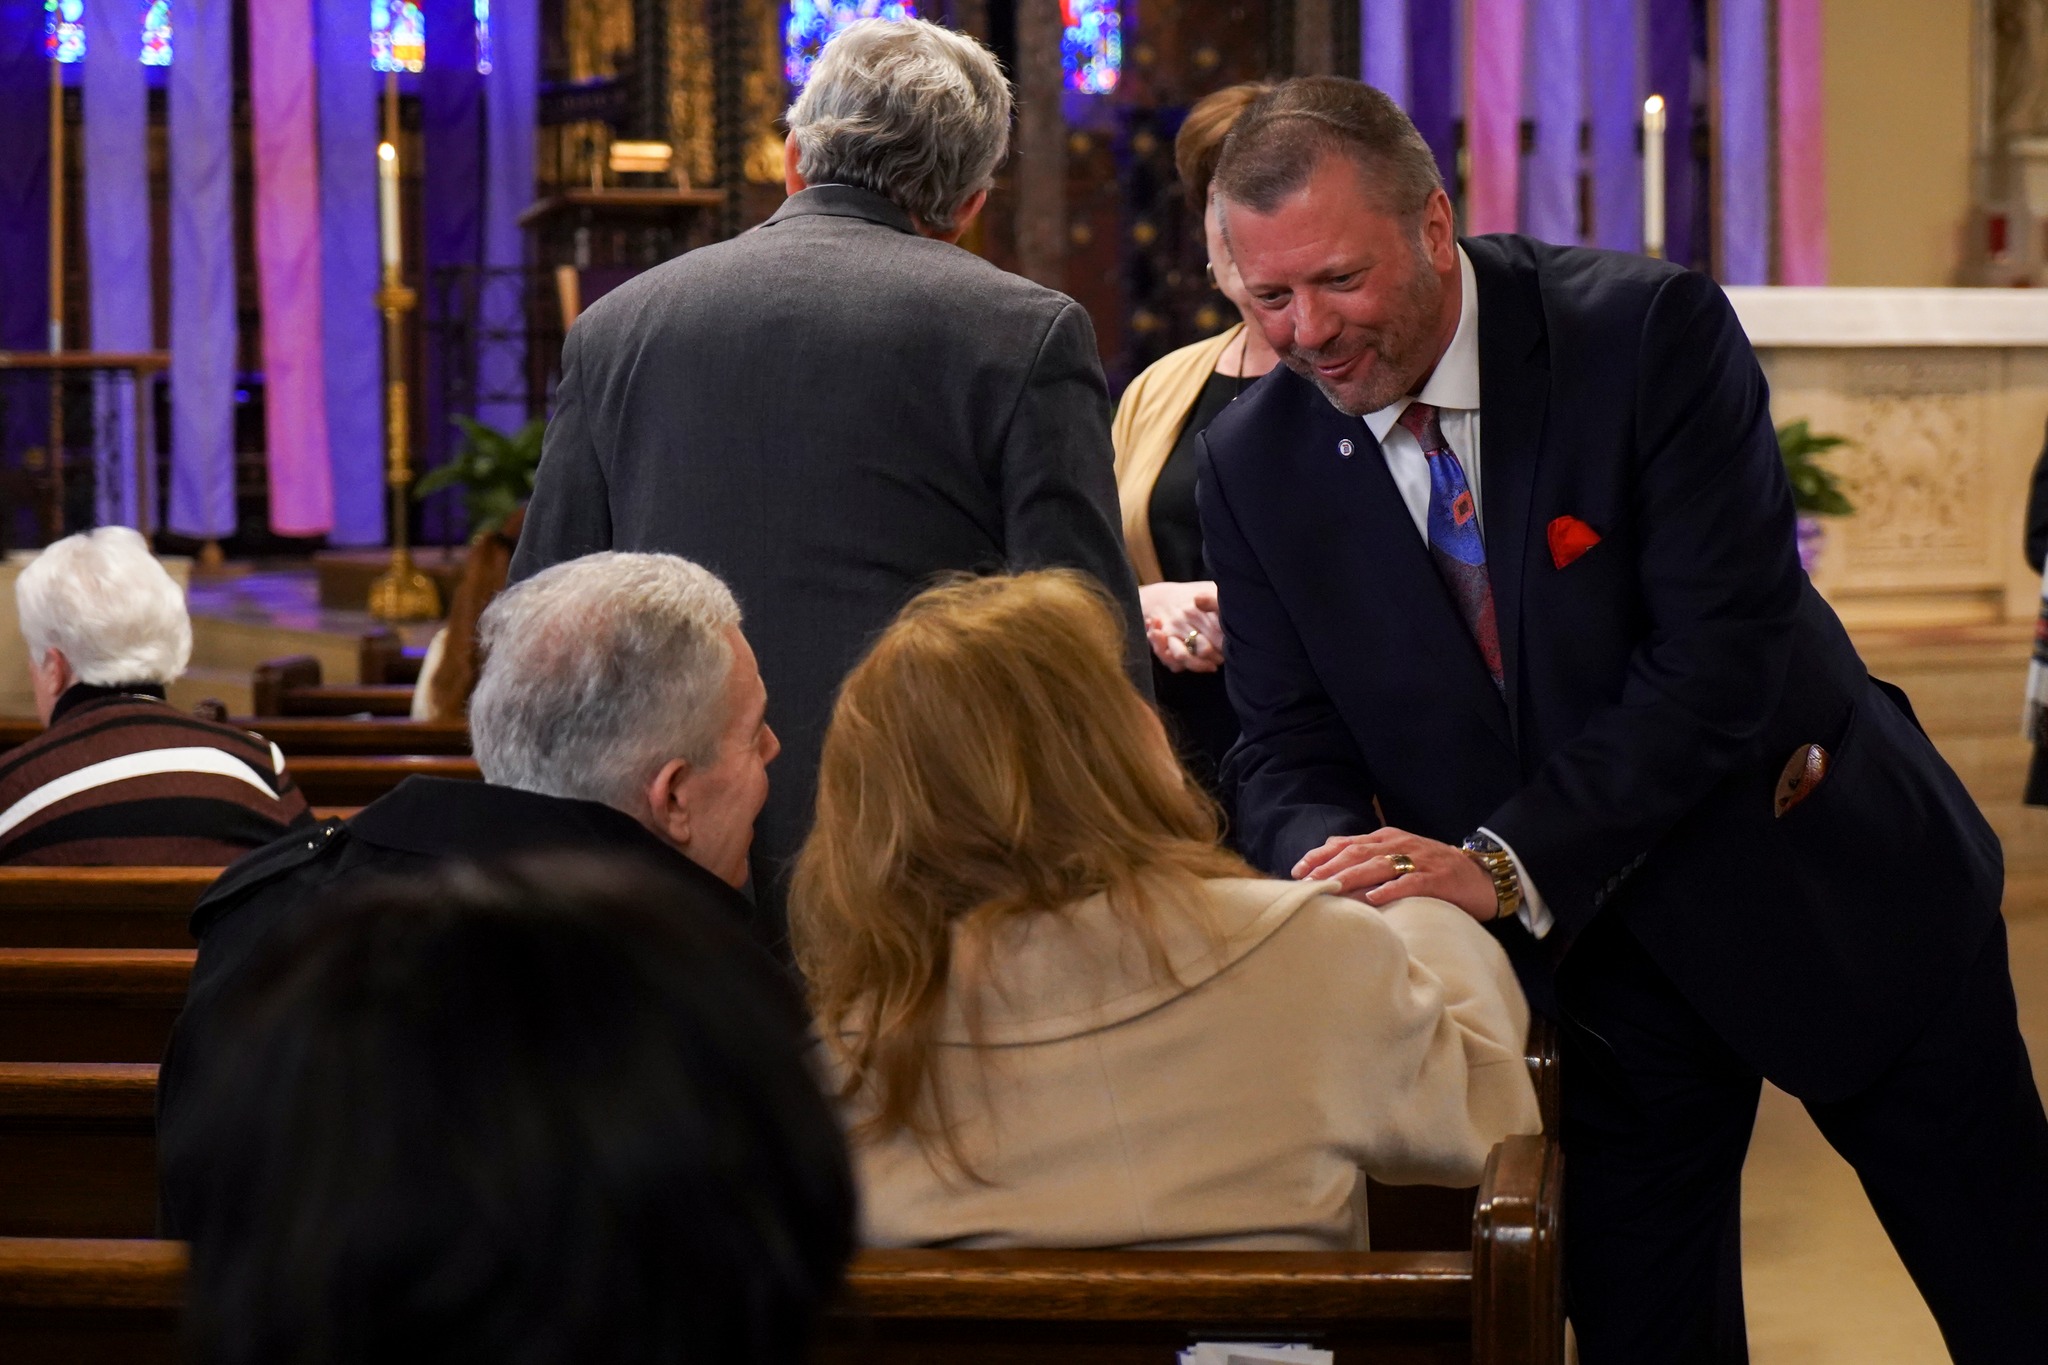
x: 1453, y: 388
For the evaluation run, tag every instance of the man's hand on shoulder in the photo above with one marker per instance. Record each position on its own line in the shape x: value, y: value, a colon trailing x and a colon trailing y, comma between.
x: 1376, y: 868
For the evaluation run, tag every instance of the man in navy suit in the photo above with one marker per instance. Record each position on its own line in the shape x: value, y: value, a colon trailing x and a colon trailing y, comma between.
x: 1570, y: 678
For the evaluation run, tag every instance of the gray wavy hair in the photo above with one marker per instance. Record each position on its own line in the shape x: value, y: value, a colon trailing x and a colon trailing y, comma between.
x: 915, y: 112
x: 600, y: 670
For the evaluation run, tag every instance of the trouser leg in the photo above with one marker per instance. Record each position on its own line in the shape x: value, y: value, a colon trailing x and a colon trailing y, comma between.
x: 1657, y: 1120
x: 1952, y: 1147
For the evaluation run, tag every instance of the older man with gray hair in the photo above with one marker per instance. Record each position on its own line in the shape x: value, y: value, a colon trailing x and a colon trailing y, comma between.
x: 619, y: 711
x: 842, y: 405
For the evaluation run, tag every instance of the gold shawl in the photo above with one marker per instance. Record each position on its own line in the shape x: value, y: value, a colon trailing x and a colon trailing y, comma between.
x: 1148, y: 421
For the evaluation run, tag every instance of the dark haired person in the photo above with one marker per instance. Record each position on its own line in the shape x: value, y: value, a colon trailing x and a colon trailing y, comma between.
x: 1570, y: 678
x: 532, y: 1115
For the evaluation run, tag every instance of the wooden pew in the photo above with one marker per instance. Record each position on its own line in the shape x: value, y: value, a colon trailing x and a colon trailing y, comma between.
x: 1499, y: 1303
x: 90, y: 1302
x: 357, y: 780
x: 90, y: 1004
x: 292, y: 686
x: 99, y: 907
x: 384, y: 658
x: 77, y: 1149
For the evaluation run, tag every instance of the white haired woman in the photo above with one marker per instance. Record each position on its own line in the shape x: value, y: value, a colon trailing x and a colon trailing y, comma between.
x: 119, y: 777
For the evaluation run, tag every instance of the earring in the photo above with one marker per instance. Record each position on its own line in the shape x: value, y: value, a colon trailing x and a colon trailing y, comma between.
x: 1209, y: 269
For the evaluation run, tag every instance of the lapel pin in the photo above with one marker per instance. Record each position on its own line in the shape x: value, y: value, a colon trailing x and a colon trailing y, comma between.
x: 1344, y: 447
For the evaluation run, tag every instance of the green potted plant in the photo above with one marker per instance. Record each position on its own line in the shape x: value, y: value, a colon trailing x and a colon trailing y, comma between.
x: 1816, y: 491
x: 494, y: 471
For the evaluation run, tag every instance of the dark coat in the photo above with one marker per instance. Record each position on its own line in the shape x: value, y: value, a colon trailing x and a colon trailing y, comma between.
x: 829, y: 413
x: 424, y: 821
x: 1655, y: 686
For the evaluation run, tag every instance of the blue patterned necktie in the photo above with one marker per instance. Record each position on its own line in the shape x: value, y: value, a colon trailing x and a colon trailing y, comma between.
x: 1454, y: 540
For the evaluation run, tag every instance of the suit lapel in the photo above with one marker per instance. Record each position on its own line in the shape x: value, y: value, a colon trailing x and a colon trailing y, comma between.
x: 1514, y: 395
x: 1385, y: 578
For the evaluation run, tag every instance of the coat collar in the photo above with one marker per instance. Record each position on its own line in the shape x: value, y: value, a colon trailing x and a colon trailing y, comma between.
x: 842, y: 201
x: 1514, y: 386
x: 441, y: 817
x: 1059, y: 975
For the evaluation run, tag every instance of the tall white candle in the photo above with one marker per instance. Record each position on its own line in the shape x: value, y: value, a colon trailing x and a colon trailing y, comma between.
x: 387, y: 203
x: 1653, y: 176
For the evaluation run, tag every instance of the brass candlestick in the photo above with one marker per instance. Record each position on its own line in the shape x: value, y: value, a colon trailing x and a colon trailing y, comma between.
x: 401, y: 592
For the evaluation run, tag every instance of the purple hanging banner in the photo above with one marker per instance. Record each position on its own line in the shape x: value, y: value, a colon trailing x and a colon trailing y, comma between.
x: 451, y: 211
x: 1744, y: 96
x: 1802, y: 153
x: 1614, y: 106
x: 1493, y: 114
x: 203, y: 323
x: 1383, y: 44
x: 511, y: 109
x: 353, y: 354
x: 1555, y: 99
x: 24, y: 178
x: 281, y: 115
x: 1670, y: 55
x: 1433, y: 82
x: 116, y: 163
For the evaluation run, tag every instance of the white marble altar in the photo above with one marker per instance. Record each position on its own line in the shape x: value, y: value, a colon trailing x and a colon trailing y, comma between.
x: 1942, y: 393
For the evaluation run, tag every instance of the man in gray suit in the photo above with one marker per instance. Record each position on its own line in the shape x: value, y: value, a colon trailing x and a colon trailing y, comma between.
x: 839, y: 407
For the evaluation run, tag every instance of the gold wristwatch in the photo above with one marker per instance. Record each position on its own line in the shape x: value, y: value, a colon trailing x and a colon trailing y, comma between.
x: 1507, y: 883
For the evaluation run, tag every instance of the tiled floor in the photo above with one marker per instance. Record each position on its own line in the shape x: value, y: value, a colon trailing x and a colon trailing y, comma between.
x: 1822, y: 1282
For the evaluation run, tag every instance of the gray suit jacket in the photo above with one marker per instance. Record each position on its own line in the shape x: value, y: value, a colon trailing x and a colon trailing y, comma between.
x: 830, y: 412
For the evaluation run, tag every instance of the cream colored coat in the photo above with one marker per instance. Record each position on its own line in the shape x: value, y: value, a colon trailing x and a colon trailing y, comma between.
x: 1236, y: 1108
x: 1147, y: 427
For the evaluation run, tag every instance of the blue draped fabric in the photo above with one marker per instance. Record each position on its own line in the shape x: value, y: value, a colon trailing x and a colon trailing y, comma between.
x: 1614, y: 105
x: 511, y: 106
x: 451, y: 208
x: 116, y: 162
x: 1433, y: 64
x: 1556, y: 96
x: 203, y: 322
x: 1383, y: 47
x: 1745, y: 153
x: 24, y: 234
x: 1669, y: 44
x: 350, y: 325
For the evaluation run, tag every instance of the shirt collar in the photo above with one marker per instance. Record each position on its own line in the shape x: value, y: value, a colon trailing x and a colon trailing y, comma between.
x: 83, y: 694
x: 842, y: 201
x: 1454, y: 384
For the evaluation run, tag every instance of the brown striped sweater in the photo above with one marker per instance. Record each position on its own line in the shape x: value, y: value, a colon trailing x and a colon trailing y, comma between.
x: 122, y: 779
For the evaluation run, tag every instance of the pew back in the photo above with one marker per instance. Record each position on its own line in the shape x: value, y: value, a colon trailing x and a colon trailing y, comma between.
x: 90, y: 1302
x: 77, y: 1149
x: 291, y: 686
x: 90, y: 1004
x: 357, y: 780
x: 100, y: 907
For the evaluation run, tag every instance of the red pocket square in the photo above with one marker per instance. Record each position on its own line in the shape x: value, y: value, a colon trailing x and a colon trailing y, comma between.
x: 1570, y: 538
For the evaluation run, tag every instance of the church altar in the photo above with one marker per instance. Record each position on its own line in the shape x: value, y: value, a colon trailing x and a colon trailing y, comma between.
x: 1942, y: 394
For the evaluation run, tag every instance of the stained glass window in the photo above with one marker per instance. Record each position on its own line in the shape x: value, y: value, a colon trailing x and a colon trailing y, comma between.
x: 809, y: 24
x: 156, y: 34
x: 483, y: 37
x: 64, y: 29
x: 1091, y: 45
x: 398, y: 36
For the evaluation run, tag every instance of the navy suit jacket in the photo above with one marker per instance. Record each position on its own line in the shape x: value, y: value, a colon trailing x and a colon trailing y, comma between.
x: 1655, y: 686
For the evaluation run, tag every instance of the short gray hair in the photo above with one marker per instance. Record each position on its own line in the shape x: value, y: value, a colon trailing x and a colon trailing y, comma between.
x: 917, y: 113
x: 103, y: 599
x: 598, y: 671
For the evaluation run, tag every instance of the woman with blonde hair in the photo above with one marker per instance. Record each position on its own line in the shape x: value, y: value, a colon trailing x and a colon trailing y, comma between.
x: 1058, y: 1014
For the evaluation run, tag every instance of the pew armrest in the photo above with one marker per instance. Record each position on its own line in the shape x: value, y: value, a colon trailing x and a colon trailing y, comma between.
x: 1517, y: 1267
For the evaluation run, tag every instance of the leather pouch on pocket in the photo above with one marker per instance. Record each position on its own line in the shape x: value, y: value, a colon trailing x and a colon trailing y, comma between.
x: 1803, y: 773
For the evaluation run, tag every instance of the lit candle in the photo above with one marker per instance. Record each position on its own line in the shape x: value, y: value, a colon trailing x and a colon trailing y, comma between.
x: 1653, y: 176
x: 387, y: 203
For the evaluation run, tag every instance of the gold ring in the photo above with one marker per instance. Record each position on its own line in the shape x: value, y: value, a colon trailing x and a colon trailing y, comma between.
x: 1401, y: 863
x: 1193, y: 641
